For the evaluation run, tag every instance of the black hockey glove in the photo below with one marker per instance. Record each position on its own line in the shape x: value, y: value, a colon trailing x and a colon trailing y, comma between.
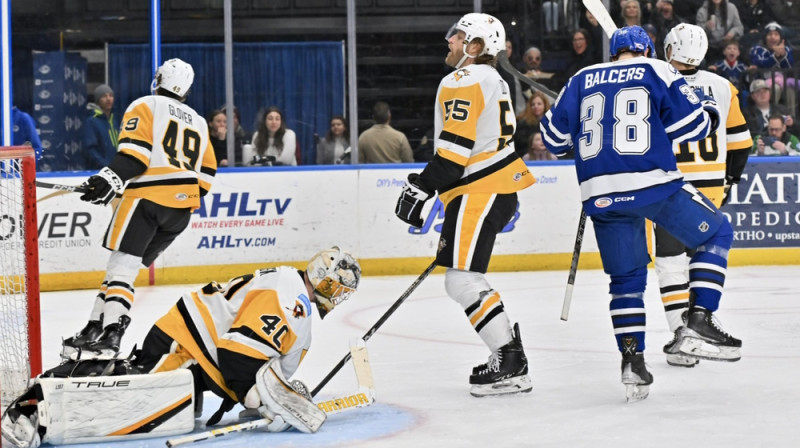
x: 102, y: 187
x: 409, y: 205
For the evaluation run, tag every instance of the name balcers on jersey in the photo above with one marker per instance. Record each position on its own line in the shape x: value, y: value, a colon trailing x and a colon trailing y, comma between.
x: 232, y: 331
x: 705, y: 163
x: 623, y: 132
x: 171, y: 140
x: 473, y: 127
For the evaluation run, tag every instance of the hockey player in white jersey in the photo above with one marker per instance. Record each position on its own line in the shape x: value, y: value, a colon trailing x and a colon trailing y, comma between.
x: 712, y: 165
x: 166, y: 159
x: 477, y: 174
x: 623, y: 118
x: 242, y: 341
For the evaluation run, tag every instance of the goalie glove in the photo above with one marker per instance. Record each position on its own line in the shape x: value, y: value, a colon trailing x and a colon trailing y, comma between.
x: 409, y: 205
x: 102, y: 187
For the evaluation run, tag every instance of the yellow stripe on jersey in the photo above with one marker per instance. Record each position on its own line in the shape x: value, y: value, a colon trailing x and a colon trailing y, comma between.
x: 174, y: 325
x: 454, y: 157
x: 141, y: 423
x: 509, y: 179
x: 262, y: 320
x: 122, y: 216
x: 462, y: 107
x: 208, y: 319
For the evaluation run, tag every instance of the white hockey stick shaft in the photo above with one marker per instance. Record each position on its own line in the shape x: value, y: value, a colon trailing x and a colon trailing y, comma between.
x: 600, y: 13
x: 573, y: 268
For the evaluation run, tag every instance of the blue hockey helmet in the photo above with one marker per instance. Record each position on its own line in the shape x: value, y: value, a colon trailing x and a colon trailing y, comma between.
x: 632, y: 39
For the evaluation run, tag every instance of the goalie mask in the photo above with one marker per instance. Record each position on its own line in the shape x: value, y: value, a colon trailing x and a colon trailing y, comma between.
x: 174, y: 76
x: 483, y: 26
x: 334, y: 274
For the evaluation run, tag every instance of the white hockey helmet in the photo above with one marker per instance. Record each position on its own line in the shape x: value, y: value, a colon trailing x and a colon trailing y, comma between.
x: 334, y: 274
x: 488, y: 28
x: 686, y: 43
x: 174, y: 76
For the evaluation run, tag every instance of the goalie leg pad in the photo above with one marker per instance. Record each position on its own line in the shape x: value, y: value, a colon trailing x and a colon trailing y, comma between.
x: 105, y: 408
x: 278, y: 396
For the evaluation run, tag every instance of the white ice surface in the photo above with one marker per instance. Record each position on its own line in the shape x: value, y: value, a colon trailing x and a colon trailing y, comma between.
x: 422, y: 356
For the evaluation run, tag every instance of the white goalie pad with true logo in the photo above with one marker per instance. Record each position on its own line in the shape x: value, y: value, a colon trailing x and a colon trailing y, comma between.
x: 106, y: 408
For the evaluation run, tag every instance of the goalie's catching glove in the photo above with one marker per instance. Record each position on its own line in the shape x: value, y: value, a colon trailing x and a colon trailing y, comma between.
x: 102, y: 187
x: 409, y: 205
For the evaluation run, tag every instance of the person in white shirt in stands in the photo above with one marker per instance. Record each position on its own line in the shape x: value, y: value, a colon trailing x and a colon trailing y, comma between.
x: 273, y: 144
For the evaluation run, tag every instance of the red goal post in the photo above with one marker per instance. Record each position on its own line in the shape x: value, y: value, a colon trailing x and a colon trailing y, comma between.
x: 20, y: 331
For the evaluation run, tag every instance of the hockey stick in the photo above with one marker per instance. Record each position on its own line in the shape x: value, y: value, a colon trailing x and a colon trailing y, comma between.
x: 375, y: 327
x: 573, y: 268
x: 600, y: 13
x: 502, y: 58
x: 365, y: 396
x: 62, y: 187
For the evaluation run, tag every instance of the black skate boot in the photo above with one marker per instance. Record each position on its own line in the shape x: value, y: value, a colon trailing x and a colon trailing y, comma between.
x: 506, y: 372
x: 72, y: 346
x: 703, y: 337
x: 107, y: 345
x: 635, y: 377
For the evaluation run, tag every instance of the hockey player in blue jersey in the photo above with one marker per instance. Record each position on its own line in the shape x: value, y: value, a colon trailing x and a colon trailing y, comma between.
x: 629, y: 113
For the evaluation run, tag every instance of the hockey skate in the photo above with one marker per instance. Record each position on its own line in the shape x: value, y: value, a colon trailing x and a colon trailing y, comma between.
x: 506, y: 372
x: 72, y: 347
x: 704, y: 338
x: 107, y: 345
x: 674, y: 355
x: 635, y: 377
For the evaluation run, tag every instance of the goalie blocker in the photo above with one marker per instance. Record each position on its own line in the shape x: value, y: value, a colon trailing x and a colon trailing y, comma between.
x: 76, y: 403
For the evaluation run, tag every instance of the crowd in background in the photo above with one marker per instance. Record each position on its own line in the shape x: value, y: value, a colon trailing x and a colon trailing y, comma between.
x: 750, y: 43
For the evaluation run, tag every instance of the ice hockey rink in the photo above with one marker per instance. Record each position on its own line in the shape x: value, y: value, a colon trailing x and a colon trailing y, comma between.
x: 422, y: 356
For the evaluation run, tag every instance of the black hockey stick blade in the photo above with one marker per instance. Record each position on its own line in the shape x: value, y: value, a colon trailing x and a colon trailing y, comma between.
x: 375, y: 327
x: 61, y: 187
x: 505, y: 64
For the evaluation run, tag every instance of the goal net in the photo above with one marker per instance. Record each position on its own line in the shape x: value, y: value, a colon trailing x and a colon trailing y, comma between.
x: 20, y: 340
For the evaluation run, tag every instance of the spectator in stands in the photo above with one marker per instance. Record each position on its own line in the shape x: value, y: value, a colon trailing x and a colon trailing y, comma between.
x: 533, y: 64
x: 653, y: 34
x: 721, y: 21
x: 596, y: 31
x: 731, y: 67
x: 685, y: 8
x: 334, y: 148
x: 100, y: 130
x: 240, y: 135
x: 755, y: 15
x: 789, y: 14
x: 517, y: 91
x: 382, y: 143
x: 23, y: 132
x: 778, y: 142
x: 761, y: 108
x: 582, y: 55
x: 537, y: 150
x: 217, y: 135
x: 551, y: 12
x: 528, y: 120
x: 776, y: 54
x: 664, y: 19
x: 273, y: 144
x: 631, y: 14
